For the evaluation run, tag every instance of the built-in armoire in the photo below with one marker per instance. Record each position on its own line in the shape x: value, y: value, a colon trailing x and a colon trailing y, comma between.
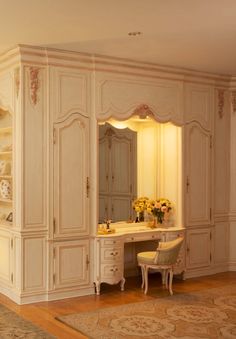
x: 50, y: 104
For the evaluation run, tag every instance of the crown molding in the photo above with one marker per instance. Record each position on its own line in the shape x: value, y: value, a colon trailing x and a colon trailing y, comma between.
x: 44, y: 56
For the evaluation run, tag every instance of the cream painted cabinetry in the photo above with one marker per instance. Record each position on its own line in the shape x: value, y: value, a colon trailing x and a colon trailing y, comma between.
x: 198, y: 175
x: 111, y: 251
x: 199, y: 249
x: 109, y: 261
x: 117, y: 172
x: 71, y: 177
x: 50, y: 105
x: 71, y: 264
x: 71, y: 255
x: 198, y: 194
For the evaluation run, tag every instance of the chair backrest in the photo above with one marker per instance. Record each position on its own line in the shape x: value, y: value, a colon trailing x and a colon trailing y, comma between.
x: 167, y: 252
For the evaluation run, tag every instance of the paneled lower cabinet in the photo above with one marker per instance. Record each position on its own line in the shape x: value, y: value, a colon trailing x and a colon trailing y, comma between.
x: 71, y: 264
x: 198, y: 249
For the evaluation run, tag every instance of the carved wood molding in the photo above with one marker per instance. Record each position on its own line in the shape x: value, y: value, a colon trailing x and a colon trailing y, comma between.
x: 143, y: 111
x: 233, y: 101
x: 109, y: 133
x: 221, y: 102
x: 34, y: 84
x: 17, y: 81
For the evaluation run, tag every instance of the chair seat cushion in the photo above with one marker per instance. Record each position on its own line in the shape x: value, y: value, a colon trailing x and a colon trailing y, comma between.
x: 146, y: 257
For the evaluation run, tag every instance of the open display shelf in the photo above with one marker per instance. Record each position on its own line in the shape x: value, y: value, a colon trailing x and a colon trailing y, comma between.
x: 6, y: 202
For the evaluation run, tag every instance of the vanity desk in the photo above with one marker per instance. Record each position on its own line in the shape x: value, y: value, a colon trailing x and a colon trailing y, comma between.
x: 109, y: 249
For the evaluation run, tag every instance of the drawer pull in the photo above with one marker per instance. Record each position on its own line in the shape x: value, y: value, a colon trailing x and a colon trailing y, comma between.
x: 114, y: 253
x: 114, y: 269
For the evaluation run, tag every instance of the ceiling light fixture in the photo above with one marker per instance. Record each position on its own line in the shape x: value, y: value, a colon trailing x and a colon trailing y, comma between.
x: 134, y: 33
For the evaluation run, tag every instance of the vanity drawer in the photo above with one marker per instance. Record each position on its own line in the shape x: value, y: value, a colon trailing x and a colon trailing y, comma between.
x: 112, y: 272
x: 111, y: 254
x: 111, y: 242
x: 142, y: 237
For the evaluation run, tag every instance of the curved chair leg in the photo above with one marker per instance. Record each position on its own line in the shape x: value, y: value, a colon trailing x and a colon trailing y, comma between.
x: 143, y: 277
x: 163, y: 276
x: 146, y: 279
x: 122, y: 284
x: 166, y: 278
x: 170, y: 281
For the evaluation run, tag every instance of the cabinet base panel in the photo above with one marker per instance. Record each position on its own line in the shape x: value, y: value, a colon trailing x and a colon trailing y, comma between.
x: 205, y: 271
x: 48, y: 296
x: 232, y: 266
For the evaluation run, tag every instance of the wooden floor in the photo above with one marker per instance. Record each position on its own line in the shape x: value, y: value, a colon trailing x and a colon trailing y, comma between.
x: 43, y: 314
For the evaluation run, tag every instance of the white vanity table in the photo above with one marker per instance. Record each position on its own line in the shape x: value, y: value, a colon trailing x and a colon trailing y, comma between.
x: 109, y: 255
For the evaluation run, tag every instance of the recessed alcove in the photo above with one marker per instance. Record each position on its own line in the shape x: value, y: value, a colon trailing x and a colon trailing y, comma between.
x: 157, y: 163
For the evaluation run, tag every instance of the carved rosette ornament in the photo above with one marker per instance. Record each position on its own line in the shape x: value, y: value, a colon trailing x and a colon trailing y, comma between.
x: 17, y: 81
x: 143, y: 111
x: 34, y: 84
x: 233, y: 101
x: 221, y: 102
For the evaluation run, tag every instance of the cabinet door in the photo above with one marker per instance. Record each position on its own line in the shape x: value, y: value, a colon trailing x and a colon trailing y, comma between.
x: 104, y: 151
x: 121, y: 162
x: 198, y: 249
x: 71, y: 177
x: 104, y: 209
x: 198, y: 175
x: 121, y: 208
x: 71, y: 263
x: 117, y: 172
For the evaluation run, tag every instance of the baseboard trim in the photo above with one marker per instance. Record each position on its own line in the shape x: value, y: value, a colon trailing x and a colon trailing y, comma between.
x: 232, y: 266
x: 203, y: 272
x: 22, y: 299
x: 56, y: 295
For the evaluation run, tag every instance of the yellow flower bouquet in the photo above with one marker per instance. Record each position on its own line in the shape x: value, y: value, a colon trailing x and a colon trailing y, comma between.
x: 140, y: 205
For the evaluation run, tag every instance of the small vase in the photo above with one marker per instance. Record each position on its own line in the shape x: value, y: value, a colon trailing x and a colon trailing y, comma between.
x: 140, y: 216
x: 157, y: 221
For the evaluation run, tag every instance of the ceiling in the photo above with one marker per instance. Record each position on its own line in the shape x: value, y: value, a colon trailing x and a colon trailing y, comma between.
x: 192, y: 34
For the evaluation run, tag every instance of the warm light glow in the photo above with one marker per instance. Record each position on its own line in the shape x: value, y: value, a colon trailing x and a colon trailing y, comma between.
x: 159, y: 159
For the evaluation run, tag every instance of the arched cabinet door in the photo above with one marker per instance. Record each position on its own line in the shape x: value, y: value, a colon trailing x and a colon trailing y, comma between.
x: 71, y: 177
x: 197, y: 175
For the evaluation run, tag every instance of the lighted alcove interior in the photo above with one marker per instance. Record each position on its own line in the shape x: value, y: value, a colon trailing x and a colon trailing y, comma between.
x: 159, y: 160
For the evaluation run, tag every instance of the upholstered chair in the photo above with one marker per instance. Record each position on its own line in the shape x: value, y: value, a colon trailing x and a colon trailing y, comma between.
x: 163, y: 259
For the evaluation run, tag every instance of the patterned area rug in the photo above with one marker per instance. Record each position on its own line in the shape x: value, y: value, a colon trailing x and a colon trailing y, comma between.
x: 208, y: 314
x: 13, y: 326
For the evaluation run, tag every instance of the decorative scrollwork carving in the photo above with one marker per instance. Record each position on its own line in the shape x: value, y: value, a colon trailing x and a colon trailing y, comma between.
x: 17, y: 81
x: 221, y: 102
x: 143, y: 111
x: 34, y: 84
x: 233, y: 100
